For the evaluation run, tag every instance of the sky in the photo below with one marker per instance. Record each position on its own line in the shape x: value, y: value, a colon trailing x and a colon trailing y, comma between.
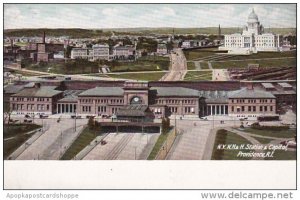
x: 97, y: 16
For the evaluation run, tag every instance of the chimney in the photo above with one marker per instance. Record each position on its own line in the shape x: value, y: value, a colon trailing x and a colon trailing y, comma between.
x: 44, y: 37
x: 250, y: 86
x: 37, y: 85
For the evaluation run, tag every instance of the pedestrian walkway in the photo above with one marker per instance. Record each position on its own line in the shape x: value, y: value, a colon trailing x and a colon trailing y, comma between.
x: 209, y: 65
x: 197, y: 65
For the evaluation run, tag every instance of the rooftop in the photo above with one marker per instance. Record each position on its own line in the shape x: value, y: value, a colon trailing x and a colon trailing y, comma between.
x: 11, y: 88
x: 175, y: 91
x: 133, y: 111
x: 37, y: 92
x: 285, y: 85
x: 267, y: 85
x: 250, y: 93
x: 103, y: 91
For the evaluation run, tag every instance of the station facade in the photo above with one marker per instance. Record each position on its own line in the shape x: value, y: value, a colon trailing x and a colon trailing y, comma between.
x: 140, y: 98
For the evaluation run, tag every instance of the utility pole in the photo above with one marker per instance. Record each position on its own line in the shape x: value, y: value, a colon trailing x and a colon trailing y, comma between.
x: 60, y: 139
x: 213, y: 121
x: 175, y: 124
x: 75, y: 121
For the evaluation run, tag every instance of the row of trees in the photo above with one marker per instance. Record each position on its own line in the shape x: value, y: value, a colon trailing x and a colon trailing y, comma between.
x: 165, y: 123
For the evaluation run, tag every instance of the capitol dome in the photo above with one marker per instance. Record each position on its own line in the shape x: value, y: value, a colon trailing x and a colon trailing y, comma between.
x: 252, y: 17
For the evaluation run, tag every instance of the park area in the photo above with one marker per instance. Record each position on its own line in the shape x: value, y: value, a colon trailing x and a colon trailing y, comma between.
x: 81, y: 66
x: 144, y: 76
x: 88, y: 134
x: 221, y: 60
x: 14, y: 135
x: 198, y: 75
x: 265, y: 135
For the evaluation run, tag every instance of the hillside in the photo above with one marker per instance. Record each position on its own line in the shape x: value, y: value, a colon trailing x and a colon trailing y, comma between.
x: 90, y: 33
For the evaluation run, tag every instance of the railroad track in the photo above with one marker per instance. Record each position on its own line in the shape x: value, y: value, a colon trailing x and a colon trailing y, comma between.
x: 119, y: 147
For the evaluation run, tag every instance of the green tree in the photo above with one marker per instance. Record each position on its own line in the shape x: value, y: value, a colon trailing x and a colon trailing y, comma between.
x: 67, y: 52
x: 91, y: 123
x: 165, y: 123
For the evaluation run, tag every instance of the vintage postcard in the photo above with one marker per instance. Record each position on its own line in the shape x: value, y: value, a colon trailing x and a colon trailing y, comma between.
x: 180, y: 82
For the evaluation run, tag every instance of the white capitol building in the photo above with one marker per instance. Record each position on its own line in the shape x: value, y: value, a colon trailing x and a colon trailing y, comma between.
x: 252, y: 39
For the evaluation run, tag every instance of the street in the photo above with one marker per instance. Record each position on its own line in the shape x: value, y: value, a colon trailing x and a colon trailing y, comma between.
x: 178, y: 67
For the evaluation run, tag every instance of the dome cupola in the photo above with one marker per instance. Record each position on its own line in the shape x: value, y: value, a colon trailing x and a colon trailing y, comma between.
x: 252, y: 18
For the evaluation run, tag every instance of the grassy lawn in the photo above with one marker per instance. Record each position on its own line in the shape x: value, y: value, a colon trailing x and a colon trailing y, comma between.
x: 289, y: 133
x: 18, y: 131
x: 264, y: 55
x: 204, y: 65
x: 287, y: 62
x: 200, y: 53
x: 84, y: 139
x: 198, y: 76
x: 160, y: 141
x: 263, y: 140
x: 226, y: 137
x: 283, y: 155
x: 190, y: 66
x: 140, y: 76
x: 23, y: 73
x: 85, y: 67
x: 141, y: 65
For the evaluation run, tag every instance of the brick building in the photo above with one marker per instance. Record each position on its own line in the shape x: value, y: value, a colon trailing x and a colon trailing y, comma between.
x: 116, y: 98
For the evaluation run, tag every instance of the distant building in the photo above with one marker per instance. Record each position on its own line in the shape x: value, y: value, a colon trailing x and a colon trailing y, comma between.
x: 97, y: 52
x: 162, y: 49
x: 252, y: 39
x: 100, y: 52
x: 123, y: 52
x: 188, y: 44
x: 79, y: 53
x: 42, y: 51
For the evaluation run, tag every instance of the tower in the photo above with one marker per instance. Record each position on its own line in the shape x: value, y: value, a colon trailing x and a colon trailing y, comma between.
x: 219, y: 32
x: 253, y: 23
x: 44, y: 37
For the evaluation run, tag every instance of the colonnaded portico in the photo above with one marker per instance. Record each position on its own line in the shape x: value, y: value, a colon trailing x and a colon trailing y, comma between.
x: 213, y: 109
x: 66, y: 108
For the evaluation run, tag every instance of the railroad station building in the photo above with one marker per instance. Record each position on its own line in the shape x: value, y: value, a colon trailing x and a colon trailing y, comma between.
x: 149, y: 100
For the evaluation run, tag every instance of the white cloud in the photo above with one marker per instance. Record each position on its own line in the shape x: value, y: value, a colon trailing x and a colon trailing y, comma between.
x: 145, y: 15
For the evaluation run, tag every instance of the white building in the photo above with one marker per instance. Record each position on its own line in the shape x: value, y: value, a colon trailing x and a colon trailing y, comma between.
x: 162, y: 49
x: 79, y: 53
x: 188, y: 44
x: 97, y: 52
x: 123, y: 52
x: 100, y: 52
x: 252, y: 39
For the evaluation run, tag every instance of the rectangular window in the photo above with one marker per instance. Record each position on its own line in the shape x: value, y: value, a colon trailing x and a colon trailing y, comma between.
x: 254, y: 108
x: 271, y: 108
x: 260, y: 108
x: 266, y: 108
x: 232, y: 109
x: 243, y: 108
x: 249, y: 108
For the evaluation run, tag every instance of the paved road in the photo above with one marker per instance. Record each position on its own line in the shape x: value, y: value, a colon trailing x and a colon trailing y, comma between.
x: 197, y: 65
x: 178, y: 67
x: 220, y: 75
x: 50, y: 145
x: 196, y: 140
